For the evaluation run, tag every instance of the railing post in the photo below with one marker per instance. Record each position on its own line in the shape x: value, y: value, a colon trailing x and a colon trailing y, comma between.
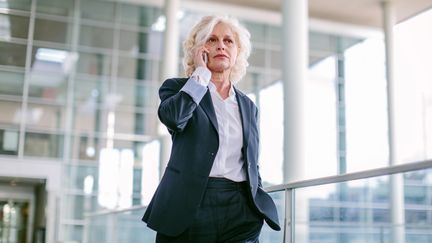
x: 289, y: 220
x: 86, y: 229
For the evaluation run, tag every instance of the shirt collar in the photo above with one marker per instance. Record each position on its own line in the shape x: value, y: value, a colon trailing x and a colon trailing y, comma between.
x: 231, y: 94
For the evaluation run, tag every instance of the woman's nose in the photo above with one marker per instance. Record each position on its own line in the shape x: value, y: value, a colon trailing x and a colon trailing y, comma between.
x: 220, y: 45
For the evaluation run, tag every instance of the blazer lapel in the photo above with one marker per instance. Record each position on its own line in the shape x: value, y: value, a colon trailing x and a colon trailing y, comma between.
x: 207, y: 105
x: 245, y: 115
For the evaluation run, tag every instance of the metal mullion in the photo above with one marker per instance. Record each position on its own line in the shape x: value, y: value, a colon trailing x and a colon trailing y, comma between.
x: 289, y: 220
x: 69, y: 104
x: 44, y: 130
x: 115, y: 51
x: 47, y: 102
x: 15, y: 12
x: 14, y: 40
x: 135, y: 28
x: 57, y: 45
x: 14, y: 69
x: 57, y: 18
x: 11, y: 98
x: 70, y: 85
x: 95, y: 50
x: 26, y: 79
x: 97, y: 23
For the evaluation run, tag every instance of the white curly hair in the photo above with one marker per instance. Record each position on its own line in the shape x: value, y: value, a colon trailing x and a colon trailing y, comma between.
x: 201, y: 32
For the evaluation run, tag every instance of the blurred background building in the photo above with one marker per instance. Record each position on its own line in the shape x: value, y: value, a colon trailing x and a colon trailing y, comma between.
x: 82, y: 150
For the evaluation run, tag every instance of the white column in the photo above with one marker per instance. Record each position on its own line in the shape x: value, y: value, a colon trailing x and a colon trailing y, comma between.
x: 294, y: 71
x: 396, y: 181
x: 171, y: 41
x: 294, y: 75
x: 169, y: 68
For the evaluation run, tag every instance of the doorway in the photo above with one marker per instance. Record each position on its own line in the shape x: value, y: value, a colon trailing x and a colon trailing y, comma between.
x: 21, y: 210
x: 14, y: 219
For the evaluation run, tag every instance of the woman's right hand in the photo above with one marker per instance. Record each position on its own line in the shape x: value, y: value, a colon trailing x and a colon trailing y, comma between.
x: 199, y: 57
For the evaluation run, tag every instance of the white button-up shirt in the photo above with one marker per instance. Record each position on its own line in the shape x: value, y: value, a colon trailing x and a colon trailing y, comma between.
x: 228, y: 162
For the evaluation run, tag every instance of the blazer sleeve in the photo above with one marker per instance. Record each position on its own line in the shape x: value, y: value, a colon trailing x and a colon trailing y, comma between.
x: 176, y: 107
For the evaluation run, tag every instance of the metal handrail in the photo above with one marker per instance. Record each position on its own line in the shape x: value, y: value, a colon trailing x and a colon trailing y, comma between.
x: 389, y: 170
x: 313, y: 182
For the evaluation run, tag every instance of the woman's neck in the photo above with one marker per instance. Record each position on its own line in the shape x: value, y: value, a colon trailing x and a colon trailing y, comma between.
x: 222, y: 83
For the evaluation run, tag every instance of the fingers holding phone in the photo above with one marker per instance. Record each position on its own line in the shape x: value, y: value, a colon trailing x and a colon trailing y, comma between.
x: 201, y: 57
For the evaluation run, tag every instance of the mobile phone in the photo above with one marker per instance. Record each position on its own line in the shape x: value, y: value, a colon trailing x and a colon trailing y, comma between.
x: 205, y: 57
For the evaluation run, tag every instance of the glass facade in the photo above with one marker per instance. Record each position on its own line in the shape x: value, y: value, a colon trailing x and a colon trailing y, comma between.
x: 360, y: 211
x: 79, y: 81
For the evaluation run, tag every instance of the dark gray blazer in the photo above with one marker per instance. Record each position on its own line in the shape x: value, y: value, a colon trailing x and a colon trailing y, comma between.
x: 194, y: 133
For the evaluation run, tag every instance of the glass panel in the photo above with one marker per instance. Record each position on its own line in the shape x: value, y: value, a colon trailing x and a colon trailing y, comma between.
x: 138, y: 68
x: 54, y: 31
x: 9, y: 140
x: 10, y: 113
x: 271, y: 134
x: 16, y: 4
x: 99, y: 37
x: 72, y: 233
x: 13, y: 26
x: 45, y: 116
x: 89, y: 92
x: 134, y: 15
x: 359, y: 211
x: 321, y: 140
x: 366, y: 118
x: 96, y: 64
x: 76, y: 174
x: 257, y: 31
x: 275, y: 59
x: 95, y: 10
x: 257, y: 57
x: 133, y: 120
x: 135, y: 146
x: 11, y: 83
x: 43, y: 145
x: 49, y: 73
x: 61, y: 8
x: 86, y: 147
x: 90, y: 119
x: 135, y: 42
x: 322, y: 42
x: 12, y: 54
x: 140, y: 94
x: 275, y: 34
x: 75, y: 206
x: 128, y: 227
x: 122, y: 225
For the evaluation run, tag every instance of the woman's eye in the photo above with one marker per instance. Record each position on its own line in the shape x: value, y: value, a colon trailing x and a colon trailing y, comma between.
x: 229, y: 41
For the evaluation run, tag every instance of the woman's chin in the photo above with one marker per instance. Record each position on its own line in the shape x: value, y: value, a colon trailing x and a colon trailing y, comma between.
x: 218, y: 68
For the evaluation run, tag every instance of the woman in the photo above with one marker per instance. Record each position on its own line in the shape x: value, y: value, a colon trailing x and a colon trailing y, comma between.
x: 211, y: 190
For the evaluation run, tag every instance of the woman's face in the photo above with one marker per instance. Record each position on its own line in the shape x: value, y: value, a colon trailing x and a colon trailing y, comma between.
x: 222, y: 47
